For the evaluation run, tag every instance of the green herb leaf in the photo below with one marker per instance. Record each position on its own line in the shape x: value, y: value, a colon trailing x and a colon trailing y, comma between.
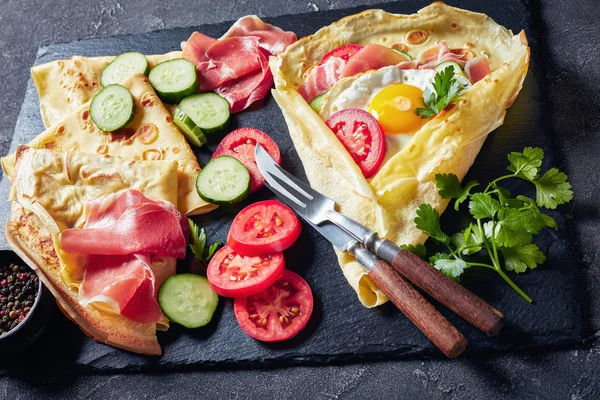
x: 449, y: 188
x: 510, y: 230
x: 452, y: 268
x: 467, y: 242
x: 438, y: 256
x: 428, y: 220
x: 418, y: 250
x: 198, y: 244
x: 483, y: 206
x: 527, y: 163
x: 519, y: 258
x: 553, y: 189
x: 465, y: 194
x: 446, y: 89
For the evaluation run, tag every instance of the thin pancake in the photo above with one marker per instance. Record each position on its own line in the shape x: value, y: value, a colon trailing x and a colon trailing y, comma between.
x: 64, y: 85
x: 151, y: 135
x: 48, y: 194
x: 448, y: 143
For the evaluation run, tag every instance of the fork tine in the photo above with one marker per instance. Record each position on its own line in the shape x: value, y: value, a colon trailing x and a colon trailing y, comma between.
x: 291, y: 190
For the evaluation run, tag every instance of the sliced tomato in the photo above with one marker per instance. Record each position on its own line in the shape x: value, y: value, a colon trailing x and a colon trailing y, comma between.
x: 278, y: 312
x: 263, y: 228
x: 362, y: 136
x: 233, y: 275
x: 240, y: 144
x: 345, y: 52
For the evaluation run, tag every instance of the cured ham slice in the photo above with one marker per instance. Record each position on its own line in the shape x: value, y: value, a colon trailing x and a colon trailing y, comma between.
x: 321, y: 78
x: 196, y: 46
x: 130, y: 241
x: 430, y: 58
x: 272, y: 38
x: 146, y: 228
x: 372, y: 56
x: 123, y: 283
x: 236, y: 65
x: 477, y: 68
x: 229, y: 59
x: 244, y: 91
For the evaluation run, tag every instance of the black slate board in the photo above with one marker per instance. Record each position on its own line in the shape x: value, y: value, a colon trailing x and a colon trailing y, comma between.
x: 340, y: 329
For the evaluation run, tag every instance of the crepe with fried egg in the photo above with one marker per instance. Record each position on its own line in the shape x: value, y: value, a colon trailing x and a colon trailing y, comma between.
x: 48, y: 195
x: 151, y: 135
x: 446, y: 143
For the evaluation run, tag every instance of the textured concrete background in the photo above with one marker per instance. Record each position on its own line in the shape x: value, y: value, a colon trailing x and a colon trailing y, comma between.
x: 569, y: 35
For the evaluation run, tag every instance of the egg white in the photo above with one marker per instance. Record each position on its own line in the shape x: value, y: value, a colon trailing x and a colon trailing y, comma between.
x: 363, y: 88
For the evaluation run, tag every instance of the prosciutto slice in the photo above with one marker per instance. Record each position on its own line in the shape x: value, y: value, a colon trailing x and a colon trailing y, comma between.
x: 242, y: 92
x: 372, y: 56
x: 430, y: 58
x: 477, y: 68
x: 130, y: 241
x: 236, y: 65
x: 321, y: 78
x: 272, y: 38
x: 124, y: 283
x: 229, y: 59
x: 146, y: 228
x: 196, y: 46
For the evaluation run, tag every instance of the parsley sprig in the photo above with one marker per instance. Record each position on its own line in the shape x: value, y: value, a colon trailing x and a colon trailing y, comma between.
x: 503, y: 225
x: 446, y: 89
x: 202, y: 253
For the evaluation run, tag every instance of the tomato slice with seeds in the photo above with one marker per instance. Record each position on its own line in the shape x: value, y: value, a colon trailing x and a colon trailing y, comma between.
x: 362, y: 136
x: 278, y: 312
x: 262, y: 228
x: 240, y: 144
x: 233, y: 275
x: 345, y: 52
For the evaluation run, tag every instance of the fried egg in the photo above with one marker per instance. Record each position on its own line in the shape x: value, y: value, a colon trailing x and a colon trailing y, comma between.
x: 391, y: 95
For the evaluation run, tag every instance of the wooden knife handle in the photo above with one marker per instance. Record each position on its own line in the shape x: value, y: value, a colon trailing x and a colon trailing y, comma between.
x: 454, y: 296
x: 417, y: 309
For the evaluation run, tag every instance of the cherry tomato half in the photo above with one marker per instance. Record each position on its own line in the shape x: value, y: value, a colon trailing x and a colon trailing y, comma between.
x: 233, y: 275
x: 278, y: 312
x: 345, y: 52
x: 362, y: 136
x: 263, y: 228
x: 240, y: 144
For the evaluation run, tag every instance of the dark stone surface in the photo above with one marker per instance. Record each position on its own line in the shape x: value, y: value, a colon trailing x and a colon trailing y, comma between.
x: 568, y: 38
x: 341, y: 329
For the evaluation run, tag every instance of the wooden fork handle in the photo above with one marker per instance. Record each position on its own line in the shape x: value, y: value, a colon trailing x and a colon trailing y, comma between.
x: 412, y: 304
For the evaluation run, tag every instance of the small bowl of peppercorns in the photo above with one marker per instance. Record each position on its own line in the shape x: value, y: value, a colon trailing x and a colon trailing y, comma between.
x: 25, y: 304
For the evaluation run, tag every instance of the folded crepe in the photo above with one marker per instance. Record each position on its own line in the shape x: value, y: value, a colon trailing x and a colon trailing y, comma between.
x: 448, y: 143
x: 151, y: 135
x: 48, y: 194
x: 64, y: 85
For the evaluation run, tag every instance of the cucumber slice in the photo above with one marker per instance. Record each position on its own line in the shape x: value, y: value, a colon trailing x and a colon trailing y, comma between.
x: 188, y: 300
x: 224, y: 180
x: 189, y: 128
x: 112, y: 108
x: 209, y: 111
x: 174, y: 79
x: 457, y: 68
x: 405, y: 54
x: 317, y: 103
x: 123, y: 66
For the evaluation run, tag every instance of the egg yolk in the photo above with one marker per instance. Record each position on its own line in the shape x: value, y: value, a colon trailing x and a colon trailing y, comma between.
x: 394, y: 108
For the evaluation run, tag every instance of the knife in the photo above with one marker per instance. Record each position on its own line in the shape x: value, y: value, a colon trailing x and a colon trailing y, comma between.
x: 408, y: 300
x: 318, y: 209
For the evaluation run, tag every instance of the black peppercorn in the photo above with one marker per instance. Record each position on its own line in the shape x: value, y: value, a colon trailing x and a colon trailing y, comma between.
x: 18, y: 289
